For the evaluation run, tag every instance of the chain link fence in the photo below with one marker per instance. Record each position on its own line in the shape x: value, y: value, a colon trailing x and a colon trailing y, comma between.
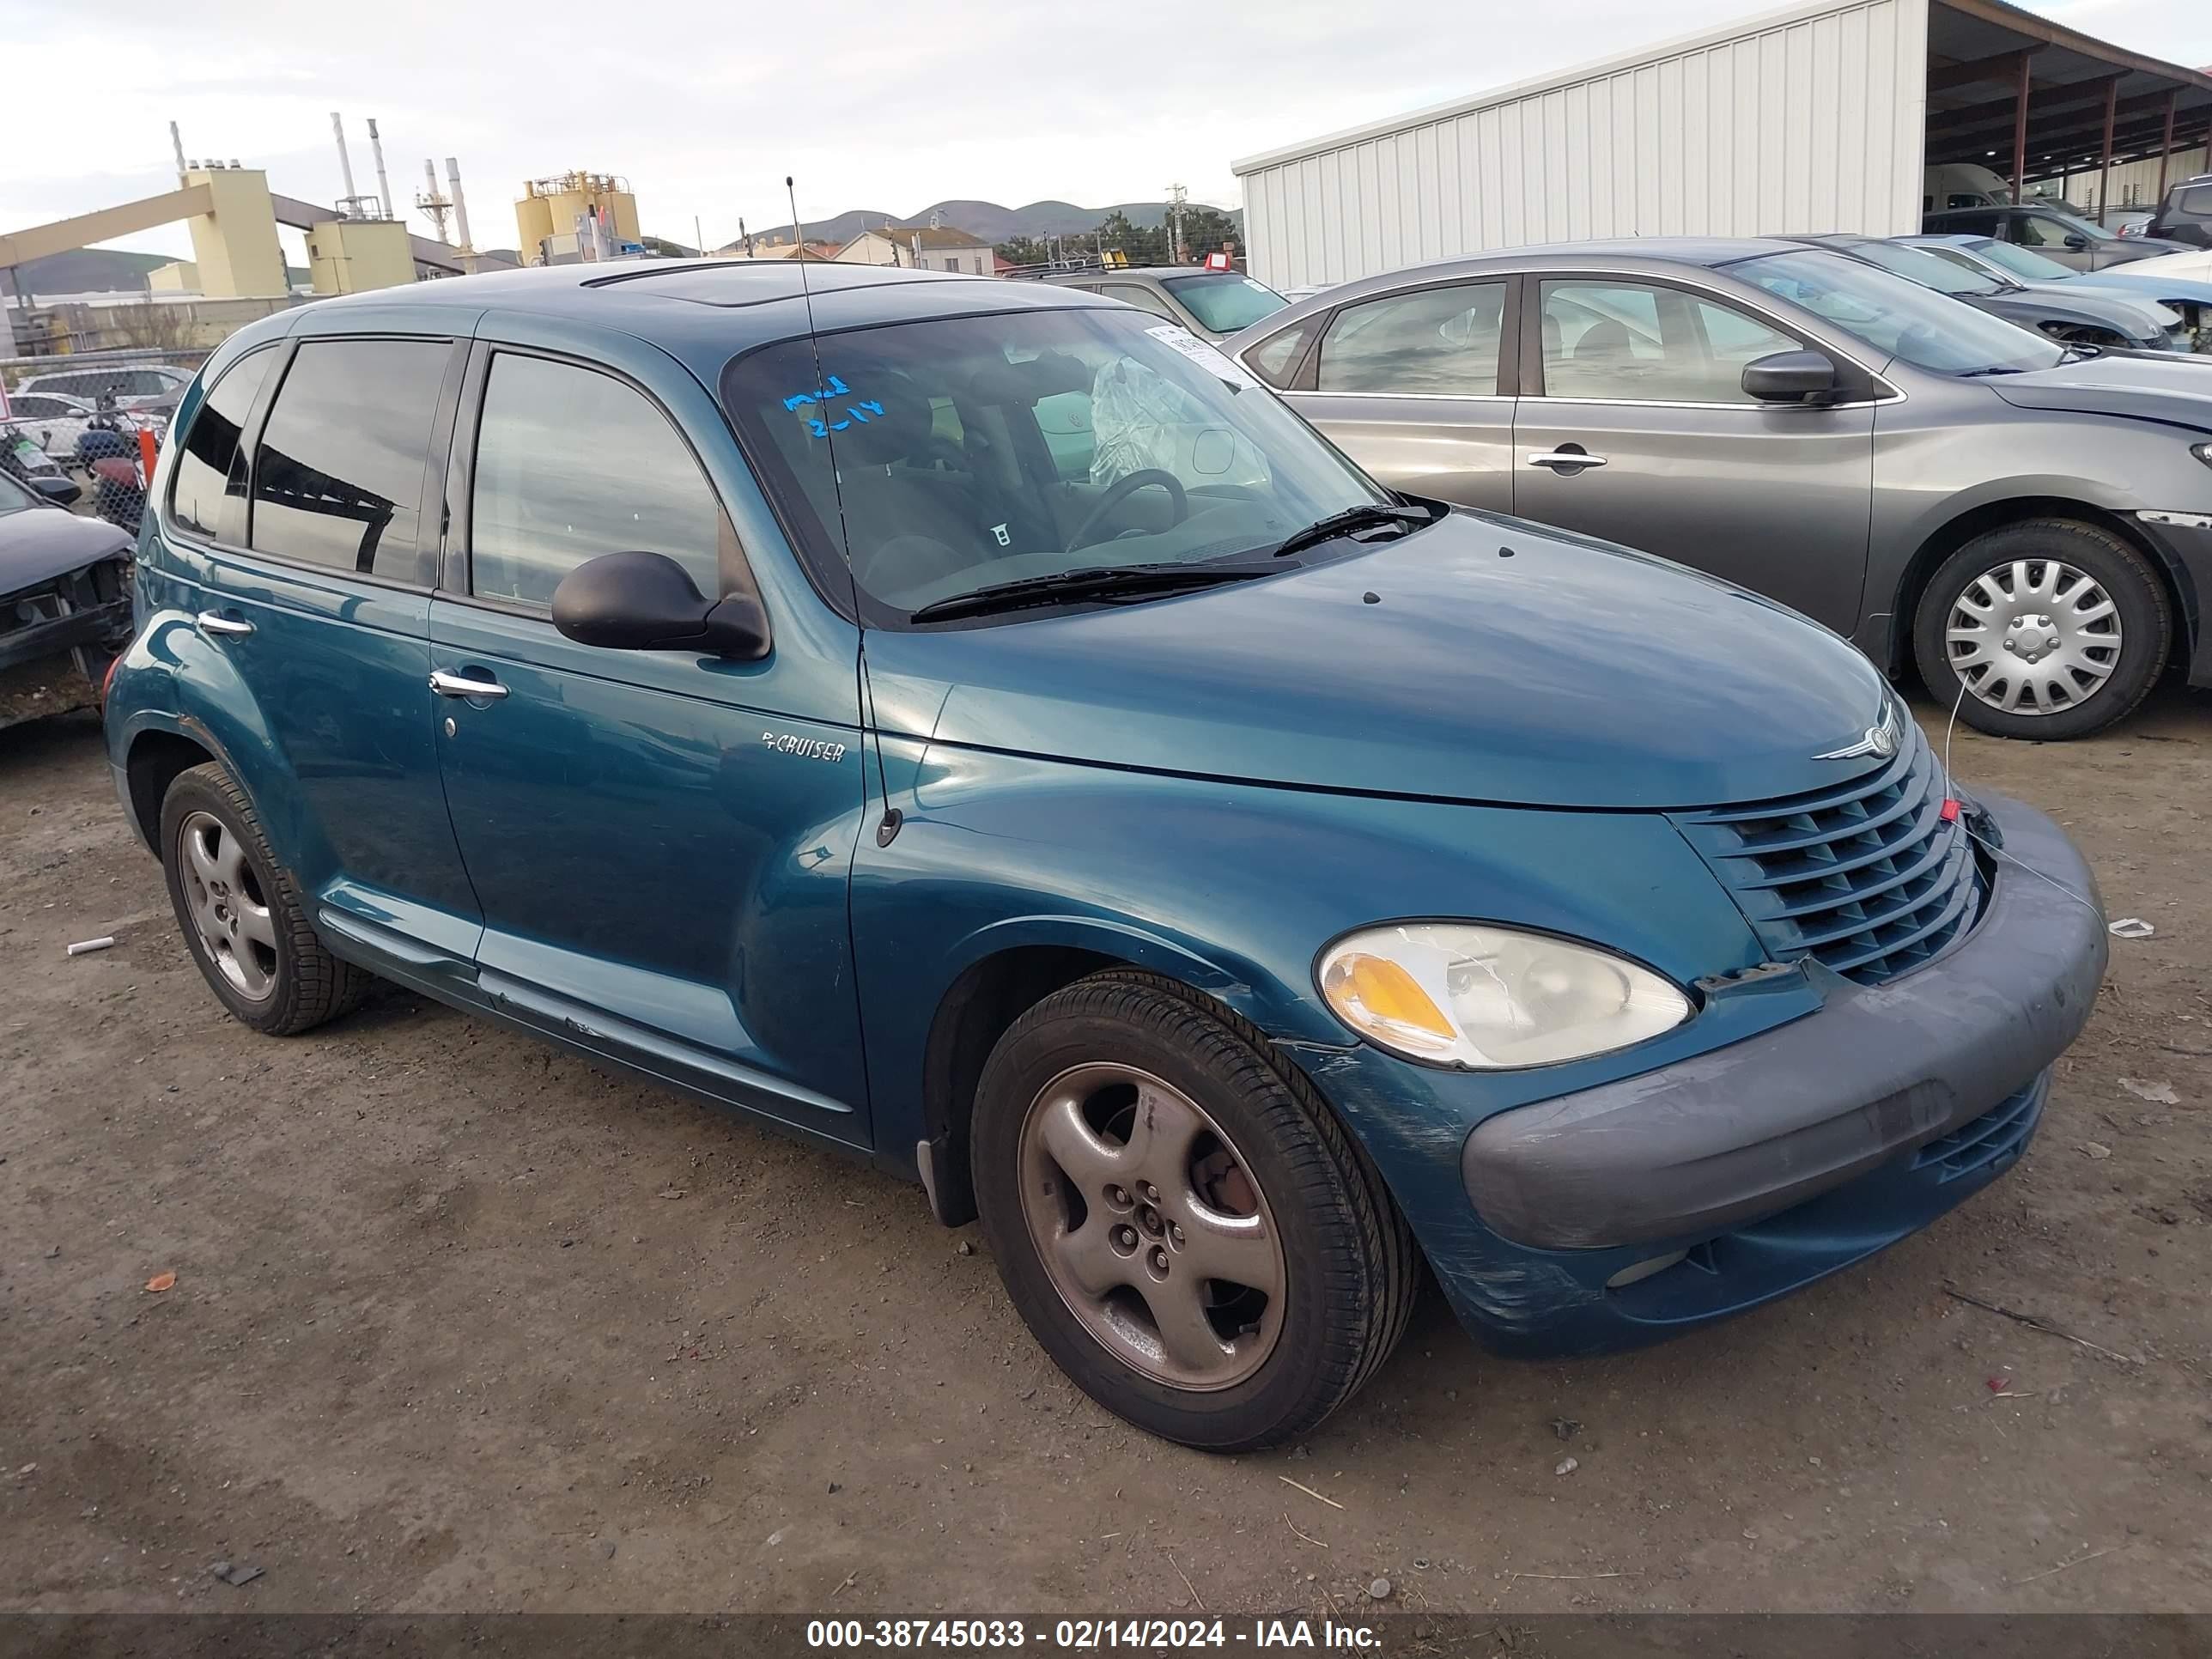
x: 80, y: 428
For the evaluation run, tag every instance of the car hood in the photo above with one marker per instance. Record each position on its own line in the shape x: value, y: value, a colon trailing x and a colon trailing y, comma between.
x: 2142, y: 316
x: 1570, y: 673
x: 2174, y: 388
x: 42, y: 542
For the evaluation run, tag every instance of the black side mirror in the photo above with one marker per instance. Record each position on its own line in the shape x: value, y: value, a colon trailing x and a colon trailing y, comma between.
x: 647, y: 602
x: 1790, y: 377
x: 2077, y: 242
x: 61, y: 490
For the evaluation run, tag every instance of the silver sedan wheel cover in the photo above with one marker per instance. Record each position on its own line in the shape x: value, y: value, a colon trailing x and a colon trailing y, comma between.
x: 2034, y: 636
x: 1151, y: 1227
x: 228, y: 910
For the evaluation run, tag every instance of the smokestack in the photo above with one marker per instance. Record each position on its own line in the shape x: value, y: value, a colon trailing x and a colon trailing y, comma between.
x: 345, y: 162
x: 383, y: 184
x: 177, y: 143
x: 460, y: 205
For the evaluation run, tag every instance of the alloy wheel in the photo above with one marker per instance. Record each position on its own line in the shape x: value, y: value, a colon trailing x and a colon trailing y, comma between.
x: 1151, y: 1227
x: 2034, y: 636
x: 228, y: 910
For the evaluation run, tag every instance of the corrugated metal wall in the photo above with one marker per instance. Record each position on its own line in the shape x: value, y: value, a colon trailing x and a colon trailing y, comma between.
x: 1812, y: 121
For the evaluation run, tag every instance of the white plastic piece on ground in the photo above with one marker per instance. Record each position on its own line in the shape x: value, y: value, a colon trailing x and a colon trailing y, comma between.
x: 2130, y: 927
x: 85, y: 946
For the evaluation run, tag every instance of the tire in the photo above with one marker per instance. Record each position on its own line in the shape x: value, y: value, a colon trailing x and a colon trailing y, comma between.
x: 1269, y: 1161
x: 2091, y: 672
x: 241, y: 914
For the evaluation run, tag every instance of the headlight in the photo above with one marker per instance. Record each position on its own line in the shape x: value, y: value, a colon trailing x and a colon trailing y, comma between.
x: 1468, y: 994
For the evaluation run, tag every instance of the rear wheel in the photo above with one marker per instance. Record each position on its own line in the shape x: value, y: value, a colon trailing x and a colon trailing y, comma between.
x: 2054, y: 629
x: 1180, y: 1219
x: 241, y: 919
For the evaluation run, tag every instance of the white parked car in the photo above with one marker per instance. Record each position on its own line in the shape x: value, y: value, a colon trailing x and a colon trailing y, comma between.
x: 2195, y: 265
x: 56, y: 421
x: 133, y: 385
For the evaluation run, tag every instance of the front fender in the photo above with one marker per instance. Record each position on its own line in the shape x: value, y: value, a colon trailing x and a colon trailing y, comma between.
x: 1232, y: 888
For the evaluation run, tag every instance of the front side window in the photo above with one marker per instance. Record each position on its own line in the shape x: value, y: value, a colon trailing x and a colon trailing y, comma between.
x: 927, y: 459
x: 210, y: 466
x: 1897, y: 317
x: 337, y: 476
x: 1634, y: 343
x: 13, y: 498
x: 572, y: 463
x: 1435, y: 341
x: 1975, y: 224
x: 1223, y: 300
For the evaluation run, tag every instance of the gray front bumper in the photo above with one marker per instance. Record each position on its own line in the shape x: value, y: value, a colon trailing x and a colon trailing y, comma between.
x: 1760, y: 1125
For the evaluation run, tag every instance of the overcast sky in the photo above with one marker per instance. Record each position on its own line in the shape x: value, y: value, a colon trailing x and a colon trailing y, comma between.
x: 705, y: 108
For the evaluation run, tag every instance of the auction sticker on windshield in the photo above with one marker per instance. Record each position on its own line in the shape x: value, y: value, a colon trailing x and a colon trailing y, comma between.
x: 1215, y: 362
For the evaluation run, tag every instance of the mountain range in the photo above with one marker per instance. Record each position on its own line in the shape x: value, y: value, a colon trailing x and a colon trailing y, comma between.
x: 987, y: 219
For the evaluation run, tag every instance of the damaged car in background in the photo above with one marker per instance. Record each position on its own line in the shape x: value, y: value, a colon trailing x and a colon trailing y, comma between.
x: 64, y: 604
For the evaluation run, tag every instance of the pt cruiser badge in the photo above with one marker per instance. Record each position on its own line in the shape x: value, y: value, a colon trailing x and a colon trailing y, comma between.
x: 806, y: 748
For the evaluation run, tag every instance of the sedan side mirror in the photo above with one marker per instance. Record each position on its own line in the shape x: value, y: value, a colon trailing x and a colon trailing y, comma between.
x: 2077, y: 242
x: 61, y: 490
x: 1790, y: 377
x: 647, y: 602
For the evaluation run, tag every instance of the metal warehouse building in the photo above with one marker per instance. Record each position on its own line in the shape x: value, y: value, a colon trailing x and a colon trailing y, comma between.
x: 1821, y: 118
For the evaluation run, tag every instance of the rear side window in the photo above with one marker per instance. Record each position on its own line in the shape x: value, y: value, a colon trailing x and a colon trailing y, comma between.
x: 211, y: 467
x: 572, y: 463
x: 1439, y: 341
x: 338, y: 478
x: 1275, y: 358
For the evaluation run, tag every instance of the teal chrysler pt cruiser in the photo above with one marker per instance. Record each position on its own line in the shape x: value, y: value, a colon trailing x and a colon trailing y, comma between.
x: 975, y: 726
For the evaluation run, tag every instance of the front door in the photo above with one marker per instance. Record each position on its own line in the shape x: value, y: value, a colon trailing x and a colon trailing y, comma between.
x: 1635, y: 428
x: 661, y: 841
x: 1408, y: 385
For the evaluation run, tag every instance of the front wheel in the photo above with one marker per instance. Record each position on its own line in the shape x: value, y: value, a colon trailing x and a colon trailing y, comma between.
x: 2051, y: 628
x: 1180, y: 1219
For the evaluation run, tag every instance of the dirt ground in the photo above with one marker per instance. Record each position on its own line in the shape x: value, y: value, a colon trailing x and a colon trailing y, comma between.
x: 459, y: 1323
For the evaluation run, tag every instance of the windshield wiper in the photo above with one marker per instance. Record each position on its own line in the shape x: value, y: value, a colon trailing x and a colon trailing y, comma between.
x: 1365, y: 516
x: 1995, y: 369
x: 1096, y: 581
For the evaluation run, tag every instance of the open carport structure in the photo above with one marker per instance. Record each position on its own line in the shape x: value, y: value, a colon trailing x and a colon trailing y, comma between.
x: 1824, y: 117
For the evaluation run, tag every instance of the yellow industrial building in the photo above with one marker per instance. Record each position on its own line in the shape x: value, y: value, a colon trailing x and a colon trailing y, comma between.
x: 550, y: 208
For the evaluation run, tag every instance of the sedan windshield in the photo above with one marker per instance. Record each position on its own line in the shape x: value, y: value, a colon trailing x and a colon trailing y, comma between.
x: 923, y: 461
x: 1917, y: 265
x: 1223, y: 300
x: 1898, y: 317
x: 2024, y: 263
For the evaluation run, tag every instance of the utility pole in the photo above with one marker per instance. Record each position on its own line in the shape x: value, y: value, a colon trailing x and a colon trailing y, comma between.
x: 1177, y: 196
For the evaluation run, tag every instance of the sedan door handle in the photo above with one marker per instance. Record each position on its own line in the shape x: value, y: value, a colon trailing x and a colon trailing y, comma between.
x: 1558, y: 457
x: 460, y: 685
x: 212, y: 621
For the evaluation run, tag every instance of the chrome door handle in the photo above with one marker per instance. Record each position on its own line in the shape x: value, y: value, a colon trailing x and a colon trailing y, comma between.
x: 1558, y: 457
x: 212, y: 622
x: 459, y: 685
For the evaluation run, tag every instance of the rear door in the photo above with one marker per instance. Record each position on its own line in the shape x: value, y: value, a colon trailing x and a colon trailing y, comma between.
x: 1411, y: 385
x: 307, y: 507
x: 661, y: 841
x: 1633, y: 426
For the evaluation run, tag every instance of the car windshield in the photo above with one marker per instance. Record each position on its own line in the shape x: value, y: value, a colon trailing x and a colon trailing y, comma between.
x: 932, y: 459
x: 2024, y: 263
x: 1898, y: 317
x: 1917, y: 266
x: 13, y: 498
x: 1224, y: 301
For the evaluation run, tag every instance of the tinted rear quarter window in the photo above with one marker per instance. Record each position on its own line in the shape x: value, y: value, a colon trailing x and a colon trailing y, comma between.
x: 210, y: 467
x: 337, y: 476
x: 2195, y: 201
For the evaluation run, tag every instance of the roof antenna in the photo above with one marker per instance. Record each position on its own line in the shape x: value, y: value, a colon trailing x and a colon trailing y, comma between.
x: 888, y: 825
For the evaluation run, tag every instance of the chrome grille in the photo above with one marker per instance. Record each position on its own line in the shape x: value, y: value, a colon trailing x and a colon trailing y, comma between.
x: 1866, y: 877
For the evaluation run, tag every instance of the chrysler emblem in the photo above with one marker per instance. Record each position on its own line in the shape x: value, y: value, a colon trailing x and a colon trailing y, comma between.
x: 1880, y: 741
